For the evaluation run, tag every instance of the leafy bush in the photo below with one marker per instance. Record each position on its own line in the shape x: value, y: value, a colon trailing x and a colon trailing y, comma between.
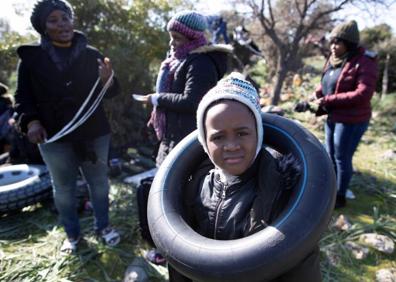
x: 136, y: 42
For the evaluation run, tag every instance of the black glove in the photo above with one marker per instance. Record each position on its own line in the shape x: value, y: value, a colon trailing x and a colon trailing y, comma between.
x: 302, y: 106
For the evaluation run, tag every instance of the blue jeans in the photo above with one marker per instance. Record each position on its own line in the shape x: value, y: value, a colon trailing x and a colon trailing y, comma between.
x: 63, y: 164
x: 342, y: 140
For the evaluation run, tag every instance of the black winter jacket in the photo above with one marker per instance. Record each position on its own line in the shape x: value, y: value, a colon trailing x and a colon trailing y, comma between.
x: 194, y: 77
x: 52, y: 96
x: 247, y: 206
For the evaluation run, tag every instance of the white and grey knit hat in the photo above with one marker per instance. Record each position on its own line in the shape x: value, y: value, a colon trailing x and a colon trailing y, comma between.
x: 233, y: 87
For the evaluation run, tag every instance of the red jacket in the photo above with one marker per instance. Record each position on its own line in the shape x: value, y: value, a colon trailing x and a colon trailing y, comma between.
x: 355, y: 86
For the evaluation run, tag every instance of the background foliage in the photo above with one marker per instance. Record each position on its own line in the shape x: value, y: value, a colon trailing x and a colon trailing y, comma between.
x: 133, y: 37
x: 136, y: 42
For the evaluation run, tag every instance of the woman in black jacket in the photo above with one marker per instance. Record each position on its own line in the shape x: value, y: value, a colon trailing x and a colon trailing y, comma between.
x: 191, y: 69
x: 54, y: 79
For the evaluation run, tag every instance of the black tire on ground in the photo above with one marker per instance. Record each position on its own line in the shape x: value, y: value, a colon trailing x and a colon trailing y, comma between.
x: 265, y: 254
x: 4, y: 157
x: 23, y: 185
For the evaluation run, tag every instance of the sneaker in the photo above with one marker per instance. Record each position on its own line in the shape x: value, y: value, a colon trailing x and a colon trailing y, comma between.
x: 155, y: 257
x: 350, y: 195
x: 110, y: 236
x: 70, y: 246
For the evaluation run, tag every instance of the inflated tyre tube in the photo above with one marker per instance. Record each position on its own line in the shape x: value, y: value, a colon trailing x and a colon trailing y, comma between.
x: 265, y: 254
x: 23, y: 185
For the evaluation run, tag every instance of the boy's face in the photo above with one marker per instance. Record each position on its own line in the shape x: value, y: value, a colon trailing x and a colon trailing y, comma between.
x: 231, y: 136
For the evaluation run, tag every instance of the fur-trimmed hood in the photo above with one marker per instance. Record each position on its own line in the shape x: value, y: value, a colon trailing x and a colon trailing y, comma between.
x: 214, y: 48
x: 220, y: 54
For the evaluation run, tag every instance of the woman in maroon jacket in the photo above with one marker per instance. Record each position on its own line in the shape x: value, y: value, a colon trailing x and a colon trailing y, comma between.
x: 347, y: 85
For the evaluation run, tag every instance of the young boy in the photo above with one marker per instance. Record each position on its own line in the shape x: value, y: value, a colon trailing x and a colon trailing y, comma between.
x: 247, y: 185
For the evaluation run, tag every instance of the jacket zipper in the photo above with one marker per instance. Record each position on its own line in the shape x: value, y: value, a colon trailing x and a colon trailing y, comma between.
x: 223, y: 195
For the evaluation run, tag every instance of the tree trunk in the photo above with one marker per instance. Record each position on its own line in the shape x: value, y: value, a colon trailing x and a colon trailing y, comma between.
x: 385, y: 77
x: 279, y: 79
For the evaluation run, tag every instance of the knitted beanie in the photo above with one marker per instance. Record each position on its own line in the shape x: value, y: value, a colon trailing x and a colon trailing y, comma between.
x: 189, y: 23
x: 43, y: 8
x: 347, y: 31
x: 233, y: 87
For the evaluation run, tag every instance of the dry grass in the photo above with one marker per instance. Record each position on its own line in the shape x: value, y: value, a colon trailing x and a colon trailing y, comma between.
x: 374, y: 185
x: 30, y: 239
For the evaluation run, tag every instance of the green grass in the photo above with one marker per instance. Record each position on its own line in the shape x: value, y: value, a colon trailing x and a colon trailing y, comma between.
x: 30, y: 239
x: 30, y: 242
x: 374, y: 185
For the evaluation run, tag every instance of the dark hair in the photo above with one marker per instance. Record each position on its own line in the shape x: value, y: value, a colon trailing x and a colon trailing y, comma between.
x: 350, y: 46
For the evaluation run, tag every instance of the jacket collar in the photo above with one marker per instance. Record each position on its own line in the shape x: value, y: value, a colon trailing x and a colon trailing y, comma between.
x: 226, y: 48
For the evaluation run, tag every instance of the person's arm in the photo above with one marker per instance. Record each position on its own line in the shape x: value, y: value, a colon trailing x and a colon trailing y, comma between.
x: 105, y: 69
x: 201, y: 76
x: 318, y: 93
x: 366, y: 79
x: 25, y: 104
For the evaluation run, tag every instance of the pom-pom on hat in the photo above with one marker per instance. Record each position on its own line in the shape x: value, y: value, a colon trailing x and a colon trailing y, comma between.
x: 43, y: 8
x: 189, y: 23
x: 347, y: 31
x: 233, y: 87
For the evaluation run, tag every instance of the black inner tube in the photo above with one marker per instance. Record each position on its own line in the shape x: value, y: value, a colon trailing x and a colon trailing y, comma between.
x: 265, y: 254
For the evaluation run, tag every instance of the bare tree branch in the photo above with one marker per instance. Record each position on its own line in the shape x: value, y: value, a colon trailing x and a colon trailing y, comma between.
x: 271, y: 15
x: 321, y: 15
x: 298, y: 8
x: 310, y: 4
x: 287, y: 23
